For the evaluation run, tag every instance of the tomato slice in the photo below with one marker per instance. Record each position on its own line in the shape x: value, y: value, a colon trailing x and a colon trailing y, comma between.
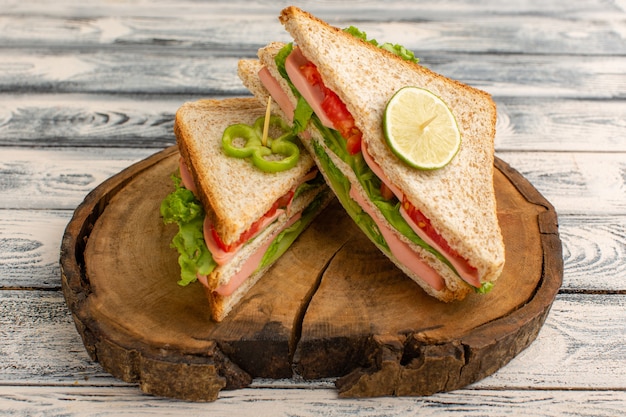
x: 282, y: 202
x: 335, y: 109
x: 312, y: 75
x: 386, y: 192
x: 424, y: 224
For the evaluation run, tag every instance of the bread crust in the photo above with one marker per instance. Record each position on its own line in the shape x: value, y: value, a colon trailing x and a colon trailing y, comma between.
x: 459, y: 199
x: 467, y: 182
x: 233, y: 192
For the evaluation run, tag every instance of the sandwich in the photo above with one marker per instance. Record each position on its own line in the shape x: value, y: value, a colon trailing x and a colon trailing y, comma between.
x: 439, y: 226
x: 239, y: 202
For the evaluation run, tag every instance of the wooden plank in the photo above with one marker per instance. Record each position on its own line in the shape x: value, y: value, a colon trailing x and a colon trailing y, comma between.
x: 29, y: 248
x: 126, y: 70
x: 370, y: 8
x: 594, y: 249
x: 581, y: 332
x: 493, y: 27
x: 58, y: 178
x: 89, y: 120
x: 165, y: 70
x: 575, y: 183
x: 551, y: 125
x: 283, y: 402
x: 40, y: 345
x: 524, y: 123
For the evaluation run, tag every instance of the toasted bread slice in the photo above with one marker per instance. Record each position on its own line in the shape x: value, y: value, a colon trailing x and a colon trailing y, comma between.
x: 459, y: 199
x: 234, y: 192
x: 455, y: 288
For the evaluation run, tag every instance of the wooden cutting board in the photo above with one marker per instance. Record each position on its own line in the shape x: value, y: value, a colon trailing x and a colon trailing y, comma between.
x: 332, y: 306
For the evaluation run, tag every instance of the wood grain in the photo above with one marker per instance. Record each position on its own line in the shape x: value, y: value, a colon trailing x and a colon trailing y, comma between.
x: 33, y: 354
x: 524, y: 123
x: 573, y: 182
x: 559, y: 27
x: 137, y: 324
x: 29, y: 248
x: 58, y: 178
x: 84, y: 120
x: 593, y: 250
x: 576, y: 183
x: 286, y: 402
x: 205, y: 72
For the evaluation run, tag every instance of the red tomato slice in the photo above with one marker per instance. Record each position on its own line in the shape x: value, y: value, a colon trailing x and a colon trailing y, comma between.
x: 386, y: 192
x: 424, y: 223
x: 312, y: 75
x: 335, y: 110
x: 254, y: 228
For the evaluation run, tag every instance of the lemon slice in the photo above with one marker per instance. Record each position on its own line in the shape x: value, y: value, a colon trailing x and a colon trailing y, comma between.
x: 420, y: 129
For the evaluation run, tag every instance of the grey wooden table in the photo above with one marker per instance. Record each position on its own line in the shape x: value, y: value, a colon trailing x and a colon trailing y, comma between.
x: 89, y: 88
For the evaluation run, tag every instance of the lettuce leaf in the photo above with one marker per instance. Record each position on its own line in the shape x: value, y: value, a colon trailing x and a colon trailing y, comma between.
x: 182, y: 207
x: 395, y: 49
x: 341, y: 187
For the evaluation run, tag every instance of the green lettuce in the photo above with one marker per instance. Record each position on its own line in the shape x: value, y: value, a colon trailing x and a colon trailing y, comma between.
x: 182, y: 207
x: 370, y: 182
x: 395, y: 49
x: 341, y: 187
x: 283, y: 241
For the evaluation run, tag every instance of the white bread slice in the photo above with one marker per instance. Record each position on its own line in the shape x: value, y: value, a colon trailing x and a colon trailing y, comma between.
x: 455, y: 288
x: 234, y: 191
x: 231, y: 189
x: 459, y: 199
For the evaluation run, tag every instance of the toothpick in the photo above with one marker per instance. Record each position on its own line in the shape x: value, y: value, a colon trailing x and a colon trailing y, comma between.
x: 266, y: 125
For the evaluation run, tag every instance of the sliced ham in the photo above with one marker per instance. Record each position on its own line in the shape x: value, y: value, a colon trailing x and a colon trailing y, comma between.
x: 313, y: 94
x: 399, y: 249
x: 273, y: 87
x: 186, y: 177
x: 252, y: 263
x: 462, y: 267
x: 221, y: 256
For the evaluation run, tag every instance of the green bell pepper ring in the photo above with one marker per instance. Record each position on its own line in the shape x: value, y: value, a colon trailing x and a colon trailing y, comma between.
x: 259, y: 153
x: 248, y: 133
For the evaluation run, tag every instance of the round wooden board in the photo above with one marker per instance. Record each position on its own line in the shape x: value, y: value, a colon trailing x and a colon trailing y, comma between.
x: 332, y: 306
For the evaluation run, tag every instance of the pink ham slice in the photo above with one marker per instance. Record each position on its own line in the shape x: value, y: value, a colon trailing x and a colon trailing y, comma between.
x: 462, y: 267
x: 313, y: 94
x: 221, y: 256
x: 399, y: 249
x: 252, y: 263
x: 282, y: 99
